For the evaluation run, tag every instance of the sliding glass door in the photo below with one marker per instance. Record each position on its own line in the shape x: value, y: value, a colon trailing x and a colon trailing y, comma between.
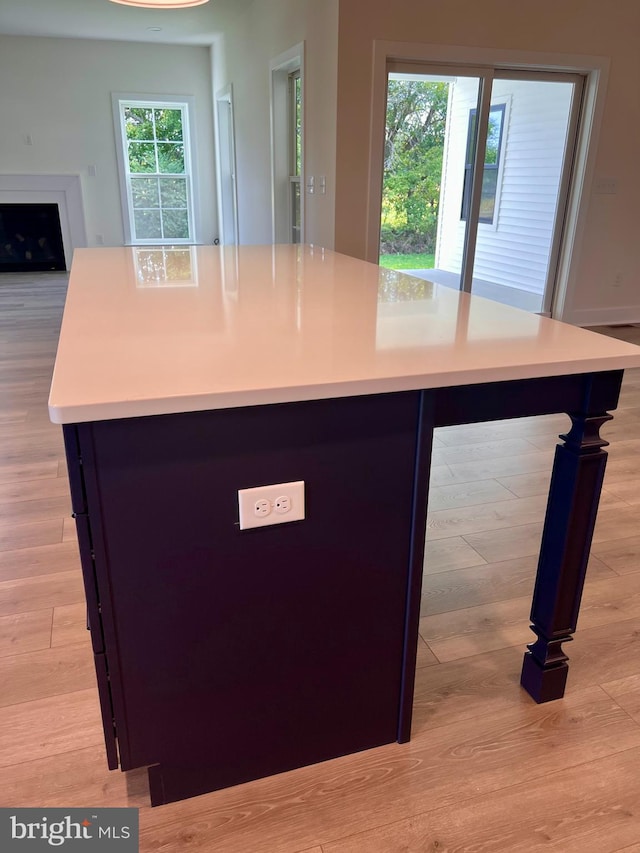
x: 476, y: 175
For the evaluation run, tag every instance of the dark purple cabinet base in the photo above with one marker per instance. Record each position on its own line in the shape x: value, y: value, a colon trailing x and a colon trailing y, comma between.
x: 225, y: 655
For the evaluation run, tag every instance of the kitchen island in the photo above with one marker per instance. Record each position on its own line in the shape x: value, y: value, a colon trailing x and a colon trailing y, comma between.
x: 185, y: 375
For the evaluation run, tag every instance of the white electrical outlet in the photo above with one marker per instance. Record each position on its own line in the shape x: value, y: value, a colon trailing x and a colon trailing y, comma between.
x: 261, y: 508
x: 263, y: 505
x: 282, y: 504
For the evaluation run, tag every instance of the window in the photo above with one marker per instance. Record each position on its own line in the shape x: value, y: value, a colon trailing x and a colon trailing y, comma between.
x: 491, y: 169
x: 155, y: 160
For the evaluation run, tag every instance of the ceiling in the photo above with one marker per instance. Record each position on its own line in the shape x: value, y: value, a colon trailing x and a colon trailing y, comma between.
x: 101, y: 19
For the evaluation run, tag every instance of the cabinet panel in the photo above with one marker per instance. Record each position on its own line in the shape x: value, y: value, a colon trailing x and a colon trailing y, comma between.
x: 246, y: 653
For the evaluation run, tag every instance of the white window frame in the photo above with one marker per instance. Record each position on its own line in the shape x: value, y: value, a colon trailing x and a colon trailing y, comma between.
x: 187, y: 104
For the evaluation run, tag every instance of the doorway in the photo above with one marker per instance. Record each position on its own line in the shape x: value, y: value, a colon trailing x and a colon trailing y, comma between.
x: 477, y: 166
x: 287, y: 146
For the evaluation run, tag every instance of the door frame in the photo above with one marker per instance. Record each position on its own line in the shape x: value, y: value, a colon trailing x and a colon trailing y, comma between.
x: 227, y: 175
x: 280, y: 69
x: 594, y: 69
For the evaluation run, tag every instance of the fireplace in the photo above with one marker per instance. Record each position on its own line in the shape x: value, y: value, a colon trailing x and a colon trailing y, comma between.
x: 30, y: 238
x: 62, y: 191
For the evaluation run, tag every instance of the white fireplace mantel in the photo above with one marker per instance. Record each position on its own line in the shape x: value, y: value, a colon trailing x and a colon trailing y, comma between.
x: 63, y: 190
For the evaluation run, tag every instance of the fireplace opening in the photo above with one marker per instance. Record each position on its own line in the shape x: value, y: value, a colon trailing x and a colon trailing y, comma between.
x: 30, y: 238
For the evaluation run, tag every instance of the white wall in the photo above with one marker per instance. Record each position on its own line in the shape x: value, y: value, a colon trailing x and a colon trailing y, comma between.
x: 264, y: 32
x: 58, y: 92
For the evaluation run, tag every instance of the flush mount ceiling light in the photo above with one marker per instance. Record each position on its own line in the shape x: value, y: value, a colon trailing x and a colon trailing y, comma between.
x: 161, y: 4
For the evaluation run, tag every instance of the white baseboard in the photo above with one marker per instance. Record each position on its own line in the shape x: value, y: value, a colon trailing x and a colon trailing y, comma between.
x: 619, y: 316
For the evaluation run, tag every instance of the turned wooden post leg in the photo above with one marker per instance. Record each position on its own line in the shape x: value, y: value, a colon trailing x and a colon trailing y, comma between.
x: 576, y: 481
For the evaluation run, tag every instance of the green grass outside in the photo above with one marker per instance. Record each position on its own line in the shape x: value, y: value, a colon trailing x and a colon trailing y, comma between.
x: 407, y: 262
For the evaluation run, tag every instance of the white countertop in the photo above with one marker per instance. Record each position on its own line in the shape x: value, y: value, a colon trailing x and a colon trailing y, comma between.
x: 156, y: 331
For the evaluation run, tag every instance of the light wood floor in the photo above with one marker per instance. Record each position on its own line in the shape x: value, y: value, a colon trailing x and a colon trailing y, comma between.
x: 486, y: 770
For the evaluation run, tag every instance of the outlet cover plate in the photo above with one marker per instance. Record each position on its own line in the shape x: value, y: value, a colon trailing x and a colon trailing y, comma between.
x: 248, y: 499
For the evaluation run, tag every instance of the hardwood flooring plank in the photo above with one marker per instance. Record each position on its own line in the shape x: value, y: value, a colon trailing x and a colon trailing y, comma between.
x: 25, y: 632
x: 529, y: 485
x: 39, y: 509
x: 616, y: 524
x: 495, y: 449
x: 20, y: 491
x: 626, y: 692
x: 40, y: 560
x: 487, y: 627
x: 622, y: 556
x: 484, y: 517
x: 526, y: 428
x: 69, y: 625
x: 622, y: 468
x: 13, y: 417
x: 34, y: 436
x: 16, y: 536
x: 622, y: 424
x: 604, y: 654
x: 629, y: 491
x: 547, y: 442
x: 63, y: 724
x: 459, y: 691
x: 630, y: 400
x: 425, y: 656
x: 525, y: 485
x: 69, y: 530
x: 465, y: 472
x: 440, y: 555
x: 467, y: 494
x: 478, y: 629
x: 28, y: 471
x: 461, y: 588
x: 507, y: 544
x: 41, y: 674
x: 25, y: 450
x: 587, y: 809
x: 40, y: 592
x: 72, y: 777
x: 625, y: 447
x: 441, y: 475
x: 488, y: 684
